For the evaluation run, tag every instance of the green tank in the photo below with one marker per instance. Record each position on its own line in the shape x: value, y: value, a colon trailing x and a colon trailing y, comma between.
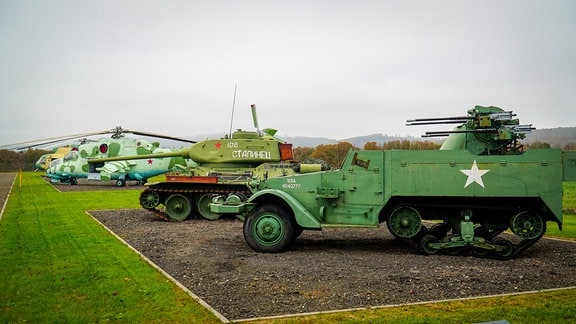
x: 456, y: 200
x: 220, y: 166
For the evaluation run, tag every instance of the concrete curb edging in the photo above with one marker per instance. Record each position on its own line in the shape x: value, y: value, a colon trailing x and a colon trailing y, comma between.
x: 398, y: 305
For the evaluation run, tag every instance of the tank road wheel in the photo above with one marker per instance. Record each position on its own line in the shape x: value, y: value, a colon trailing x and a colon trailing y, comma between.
x: 178, y: 207
x: 204, y: 207
x: 425, y: 241
x: 149, y: 199
x: 404, y: 222
x: 528, y: 225
x: 120, y: 183
x: 268, y: 229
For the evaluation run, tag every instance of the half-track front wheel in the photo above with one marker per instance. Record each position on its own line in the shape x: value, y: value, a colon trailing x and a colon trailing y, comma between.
x: 178, y: 207
x: 269, y: 229
x: 404, y: 222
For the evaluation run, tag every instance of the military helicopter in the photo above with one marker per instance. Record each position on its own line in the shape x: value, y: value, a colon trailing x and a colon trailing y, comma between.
x: 44, y: 161
x: 77, y: 162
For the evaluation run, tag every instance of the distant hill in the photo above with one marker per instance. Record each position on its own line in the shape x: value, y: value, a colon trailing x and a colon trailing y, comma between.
x: 556, y: 137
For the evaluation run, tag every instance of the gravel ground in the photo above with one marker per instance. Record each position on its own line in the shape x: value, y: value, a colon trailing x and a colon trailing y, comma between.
x: 327, y: 270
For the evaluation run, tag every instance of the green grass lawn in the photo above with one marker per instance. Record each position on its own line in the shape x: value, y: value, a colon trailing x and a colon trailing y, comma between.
x: 59, y: 265
x: 569, y: 211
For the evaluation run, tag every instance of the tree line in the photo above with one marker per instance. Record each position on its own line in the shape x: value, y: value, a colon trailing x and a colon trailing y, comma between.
x: 332, y: 155
x: 22, y: 160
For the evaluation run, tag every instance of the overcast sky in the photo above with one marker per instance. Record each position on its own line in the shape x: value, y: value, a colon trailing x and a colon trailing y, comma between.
x: 330, y: 68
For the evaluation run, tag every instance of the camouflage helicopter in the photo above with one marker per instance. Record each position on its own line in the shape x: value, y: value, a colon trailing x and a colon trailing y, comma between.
x: 77, y: 162
x: 45, y: 159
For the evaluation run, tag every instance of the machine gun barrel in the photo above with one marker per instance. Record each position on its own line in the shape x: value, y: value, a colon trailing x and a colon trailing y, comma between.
x: 439, y: 120
x: 502, y: 116
x: 435, y: 122
x: 447, y: 133
x: 521, y: 129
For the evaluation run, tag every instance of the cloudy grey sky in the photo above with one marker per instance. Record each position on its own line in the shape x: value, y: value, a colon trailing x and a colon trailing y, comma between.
x: 314, y: 68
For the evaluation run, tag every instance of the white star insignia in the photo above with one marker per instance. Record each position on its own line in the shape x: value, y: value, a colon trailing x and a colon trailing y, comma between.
x: 474, y: 175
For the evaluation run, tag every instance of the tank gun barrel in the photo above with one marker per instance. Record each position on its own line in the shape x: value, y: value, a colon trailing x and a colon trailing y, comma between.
x: 182, y: 153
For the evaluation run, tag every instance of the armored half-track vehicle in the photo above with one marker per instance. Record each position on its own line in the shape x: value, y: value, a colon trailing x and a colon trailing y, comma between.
x: 459, y: 199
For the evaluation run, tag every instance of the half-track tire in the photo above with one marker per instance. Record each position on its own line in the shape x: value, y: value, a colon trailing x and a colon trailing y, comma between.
x: 269, y: 229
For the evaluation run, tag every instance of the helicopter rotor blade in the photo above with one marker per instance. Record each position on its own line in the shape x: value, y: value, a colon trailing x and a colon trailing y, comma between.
x: 159, y: 136
x: 46, y: 141
x: 115, y: 132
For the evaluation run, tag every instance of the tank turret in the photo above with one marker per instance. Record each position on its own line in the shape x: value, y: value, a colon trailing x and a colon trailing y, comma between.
x: 484, y: 131
x: 240, y: 148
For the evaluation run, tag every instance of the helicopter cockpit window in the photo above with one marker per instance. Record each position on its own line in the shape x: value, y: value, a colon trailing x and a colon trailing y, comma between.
x: 72, y: 155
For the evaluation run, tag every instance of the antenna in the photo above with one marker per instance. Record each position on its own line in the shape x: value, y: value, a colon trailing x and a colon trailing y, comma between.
x: 233, y: 106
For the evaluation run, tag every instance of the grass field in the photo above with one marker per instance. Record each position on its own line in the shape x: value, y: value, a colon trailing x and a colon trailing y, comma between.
x: 59, y: 265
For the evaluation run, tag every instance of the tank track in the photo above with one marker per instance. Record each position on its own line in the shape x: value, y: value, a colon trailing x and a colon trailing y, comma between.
x: 166, y: 189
